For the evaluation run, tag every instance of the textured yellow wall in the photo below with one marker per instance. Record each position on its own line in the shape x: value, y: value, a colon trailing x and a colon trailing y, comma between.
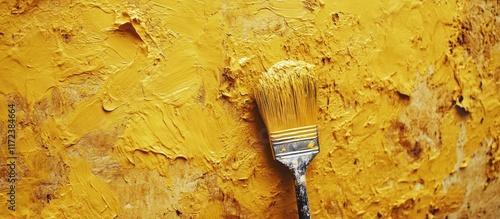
x: 145, y: 109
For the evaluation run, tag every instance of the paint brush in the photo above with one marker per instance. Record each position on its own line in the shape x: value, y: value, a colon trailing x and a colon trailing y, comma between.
x: 286, y: 97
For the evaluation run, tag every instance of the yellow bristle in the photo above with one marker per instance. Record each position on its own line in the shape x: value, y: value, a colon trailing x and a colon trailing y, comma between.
x: 286, y: 96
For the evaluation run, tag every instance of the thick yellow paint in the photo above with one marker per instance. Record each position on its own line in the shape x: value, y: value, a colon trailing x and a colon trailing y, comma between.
x: 145, y: 109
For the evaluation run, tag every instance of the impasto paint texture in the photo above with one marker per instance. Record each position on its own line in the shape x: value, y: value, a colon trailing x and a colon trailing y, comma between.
x: 146, y: 109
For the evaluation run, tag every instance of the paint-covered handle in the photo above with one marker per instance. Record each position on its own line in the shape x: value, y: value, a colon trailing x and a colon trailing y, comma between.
x: 302, y: 201
x: 301, y: 192
x: 298, y: 165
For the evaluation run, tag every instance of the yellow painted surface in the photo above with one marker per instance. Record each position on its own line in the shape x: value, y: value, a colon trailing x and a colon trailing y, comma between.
x: 145, y: 109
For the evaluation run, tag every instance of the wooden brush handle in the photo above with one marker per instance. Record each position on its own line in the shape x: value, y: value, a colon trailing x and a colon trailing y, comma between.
x: 301, y: 193
x: 302, y: 201
x: 297, y: 163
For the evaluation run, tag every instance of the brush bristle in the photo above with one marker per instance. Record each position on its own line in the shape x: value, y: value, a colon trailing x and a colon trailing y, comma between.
x: 286, y: 96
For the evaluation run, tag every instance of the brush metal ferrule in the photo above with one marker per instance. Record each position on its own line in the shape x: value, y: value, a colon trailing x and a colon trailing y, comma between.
x: 295, y: 141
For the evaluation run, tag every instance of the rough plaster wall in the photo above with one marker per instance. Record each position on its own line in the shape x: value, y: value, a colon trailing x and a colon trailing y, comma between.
x: 144, y: 109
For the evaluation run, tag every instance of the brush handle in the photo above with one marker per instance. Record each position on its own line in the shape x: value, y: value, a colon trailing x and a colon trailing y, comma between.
x: 297, y: 161
x: 301, y: 193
